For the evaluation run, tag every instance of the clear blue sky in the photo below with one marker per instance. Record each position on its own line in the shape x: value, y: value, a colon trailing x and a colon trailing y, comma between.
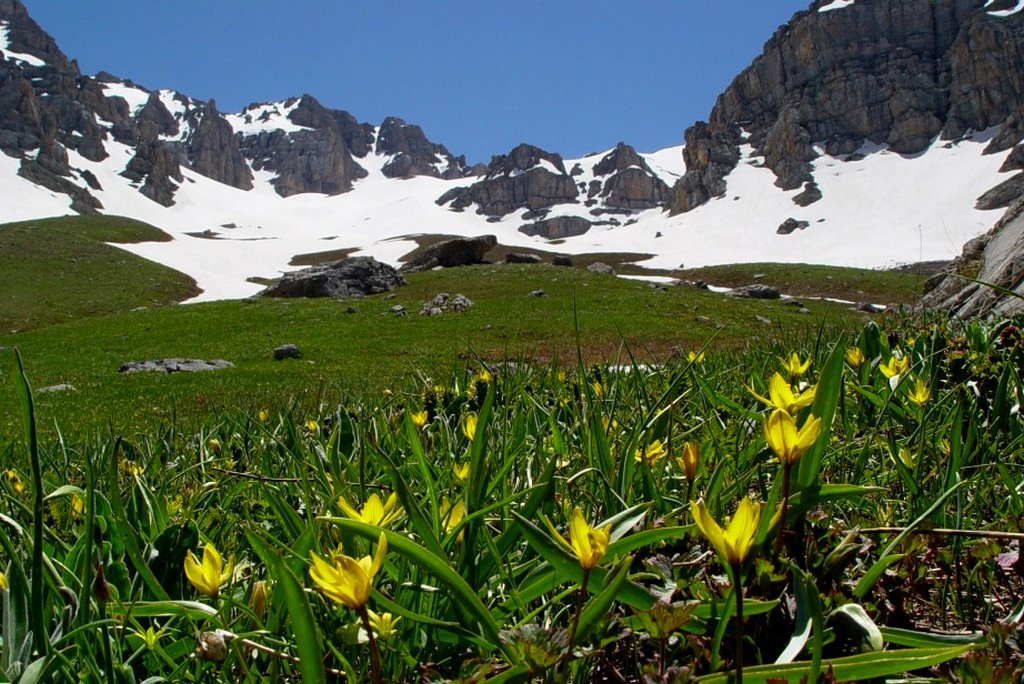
x: 480, y: 76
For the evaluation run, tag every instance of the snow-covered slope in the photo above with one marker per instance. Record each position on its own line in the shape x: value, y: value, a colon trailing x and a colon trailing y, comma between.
x: 877, y: 210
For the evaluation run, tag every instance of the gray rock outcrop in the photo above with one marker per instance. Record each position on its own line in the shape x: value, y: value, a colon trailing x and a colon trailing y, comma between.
x: 352, y: 276
x: 174, y: 366
x: 557, y: 228
x: 894, y: 72
x: 525, y: 178
x: 996, y: 258
x: 213, y: 151
x: 629, y: 183
x: 449, y: 253
x: 413, y: 155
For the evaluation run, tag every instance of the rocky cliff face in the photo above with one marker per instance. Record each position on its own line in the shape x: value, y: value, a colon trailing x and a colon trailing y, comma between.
x: 525, y: 178
x: 629, y: 183
x: 894, y: 72
x: 413, y: 155
x: 996, y: 259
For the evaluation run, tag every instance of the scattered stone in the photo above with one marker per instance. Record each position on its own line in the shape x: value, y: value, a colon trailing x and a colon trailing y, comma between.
x: 792, y: 302
x: 867, y: 307
x: 755, y: 291
x: 562, y: 260
x: 449, y: 253
x: 351, y: 310
x: 601, y: 267
x: 460, y: 303
x: 791, y: 224
x: 810, y: 195
x: 389, y: 296
x: 343, y: 278
x: 701, y: 285
x: 763, y: 320
x: 444, y: 302
x: 397, y: 310
x: 287, y: 351
x: 803, y: 310
x: 758, y: 276
x: 538, y: 293
x: 174, y: 366
x: 62, y: 387
x: 521, y: 258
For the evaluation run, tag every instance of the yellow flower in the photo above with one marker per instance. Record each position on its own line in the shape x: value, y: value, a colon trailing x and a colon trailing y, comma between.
x: 735, y: 541
x: 794, y: 366
x: 348, y: 581
x: 469, y: 426
x: 652, y: 453
x: 208, y: 576
x: 312, y: 426
x: 920, y: 394
x: 854, y: 357
x: 483, y: 375
x: 258, y: 598
x: 783, y: 397
x: 383, y: 624
x: 451, y: 516
x: 461, y: 471
x: 689, y: 461
x: 150, y: 636
x: 77, y: 506
x: 694, y: 357
x: 788, y: 443
x: 419, y: 418
x: 895, y: 366
x: 263, y: 415
x: 374, y: 512
x: 598, y: 389
x: 213, y: 444
x: 587, y: 543
x: 15, y: 480
x: 3, y: 581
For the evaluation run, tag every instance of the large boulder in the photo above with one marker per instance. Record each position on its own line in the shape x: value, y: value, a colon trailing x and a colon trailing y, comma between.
x: 353, y: 276
x: 455, y: 252
x: 557, y: 228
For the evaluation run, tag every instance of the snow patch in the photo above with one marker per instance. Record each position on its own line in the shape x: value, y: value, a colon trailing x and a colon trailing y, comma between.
x: 1006, y: 12
x: 836, y: 4
x: 5, y: 45
x: 269, y: 116
x: 135, y: 97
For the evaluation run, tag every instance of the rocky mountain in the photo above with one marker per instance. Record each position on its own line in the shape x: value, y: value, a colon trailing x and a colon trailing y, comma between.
x: 864, y: 122
x: 846, y: 73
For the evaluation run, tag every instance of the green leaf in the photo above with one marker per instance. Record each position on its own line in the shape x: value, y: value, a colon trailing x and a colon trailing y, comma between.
x: 826, y: 398
x: 645, y: 538
x: 568, y: 568
x: 462, y: 593
x: 64, y: 490
x: 860, y: 667
x: 193, y: 610
x: 597, y: 607
x: 307, y: 636
x: 915, y: 639
x: 874, y: 572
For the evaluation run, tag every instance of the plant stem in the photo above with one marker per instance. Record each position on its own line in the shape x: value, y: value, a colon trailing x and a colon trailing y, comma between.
x: 785, y: 507
x: 580, y: 602
x: 738, y: 590
x: 374, y: 654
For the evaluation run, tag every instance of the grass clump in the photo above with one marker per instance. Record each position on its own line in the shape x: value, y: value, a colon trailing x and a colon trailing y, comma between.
x: 60, y: 269
x: 535, y: 522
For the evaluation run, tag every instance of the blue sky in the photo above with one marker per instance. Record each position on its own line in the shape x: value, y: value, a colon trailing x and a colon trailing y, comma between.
x: 481, y: 77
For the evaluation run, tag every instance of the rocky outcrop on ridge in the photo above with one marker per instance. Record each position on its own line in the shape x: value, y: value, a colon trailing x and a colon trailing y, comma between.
x: 629, y: 182
x: 313, y: 159
x: 893, y: 72
x: 213, y: 149
x: 996, y: 258
x: 525, y: 178
x: 413, y: 155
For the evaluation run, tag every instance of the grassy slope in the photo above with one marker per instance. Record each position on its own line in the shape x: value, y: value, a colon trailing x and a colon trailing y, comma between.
x: 372, y: 348
x: 802, y: 280
x: 59, y: 269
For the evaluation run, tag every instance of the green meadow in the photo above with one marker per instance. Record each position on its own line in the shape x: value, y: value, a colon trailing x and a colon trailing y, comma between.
x: 613, y: 482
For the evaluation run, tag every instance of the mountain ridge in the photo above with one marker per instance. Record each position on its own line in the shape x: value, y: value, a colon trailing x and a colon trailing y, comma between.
x: 242, y: 193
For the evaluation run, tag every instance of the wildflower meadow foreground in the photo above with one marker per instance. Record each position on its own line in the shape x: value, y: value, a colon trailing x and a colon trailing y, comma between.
x: 838, y: 510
